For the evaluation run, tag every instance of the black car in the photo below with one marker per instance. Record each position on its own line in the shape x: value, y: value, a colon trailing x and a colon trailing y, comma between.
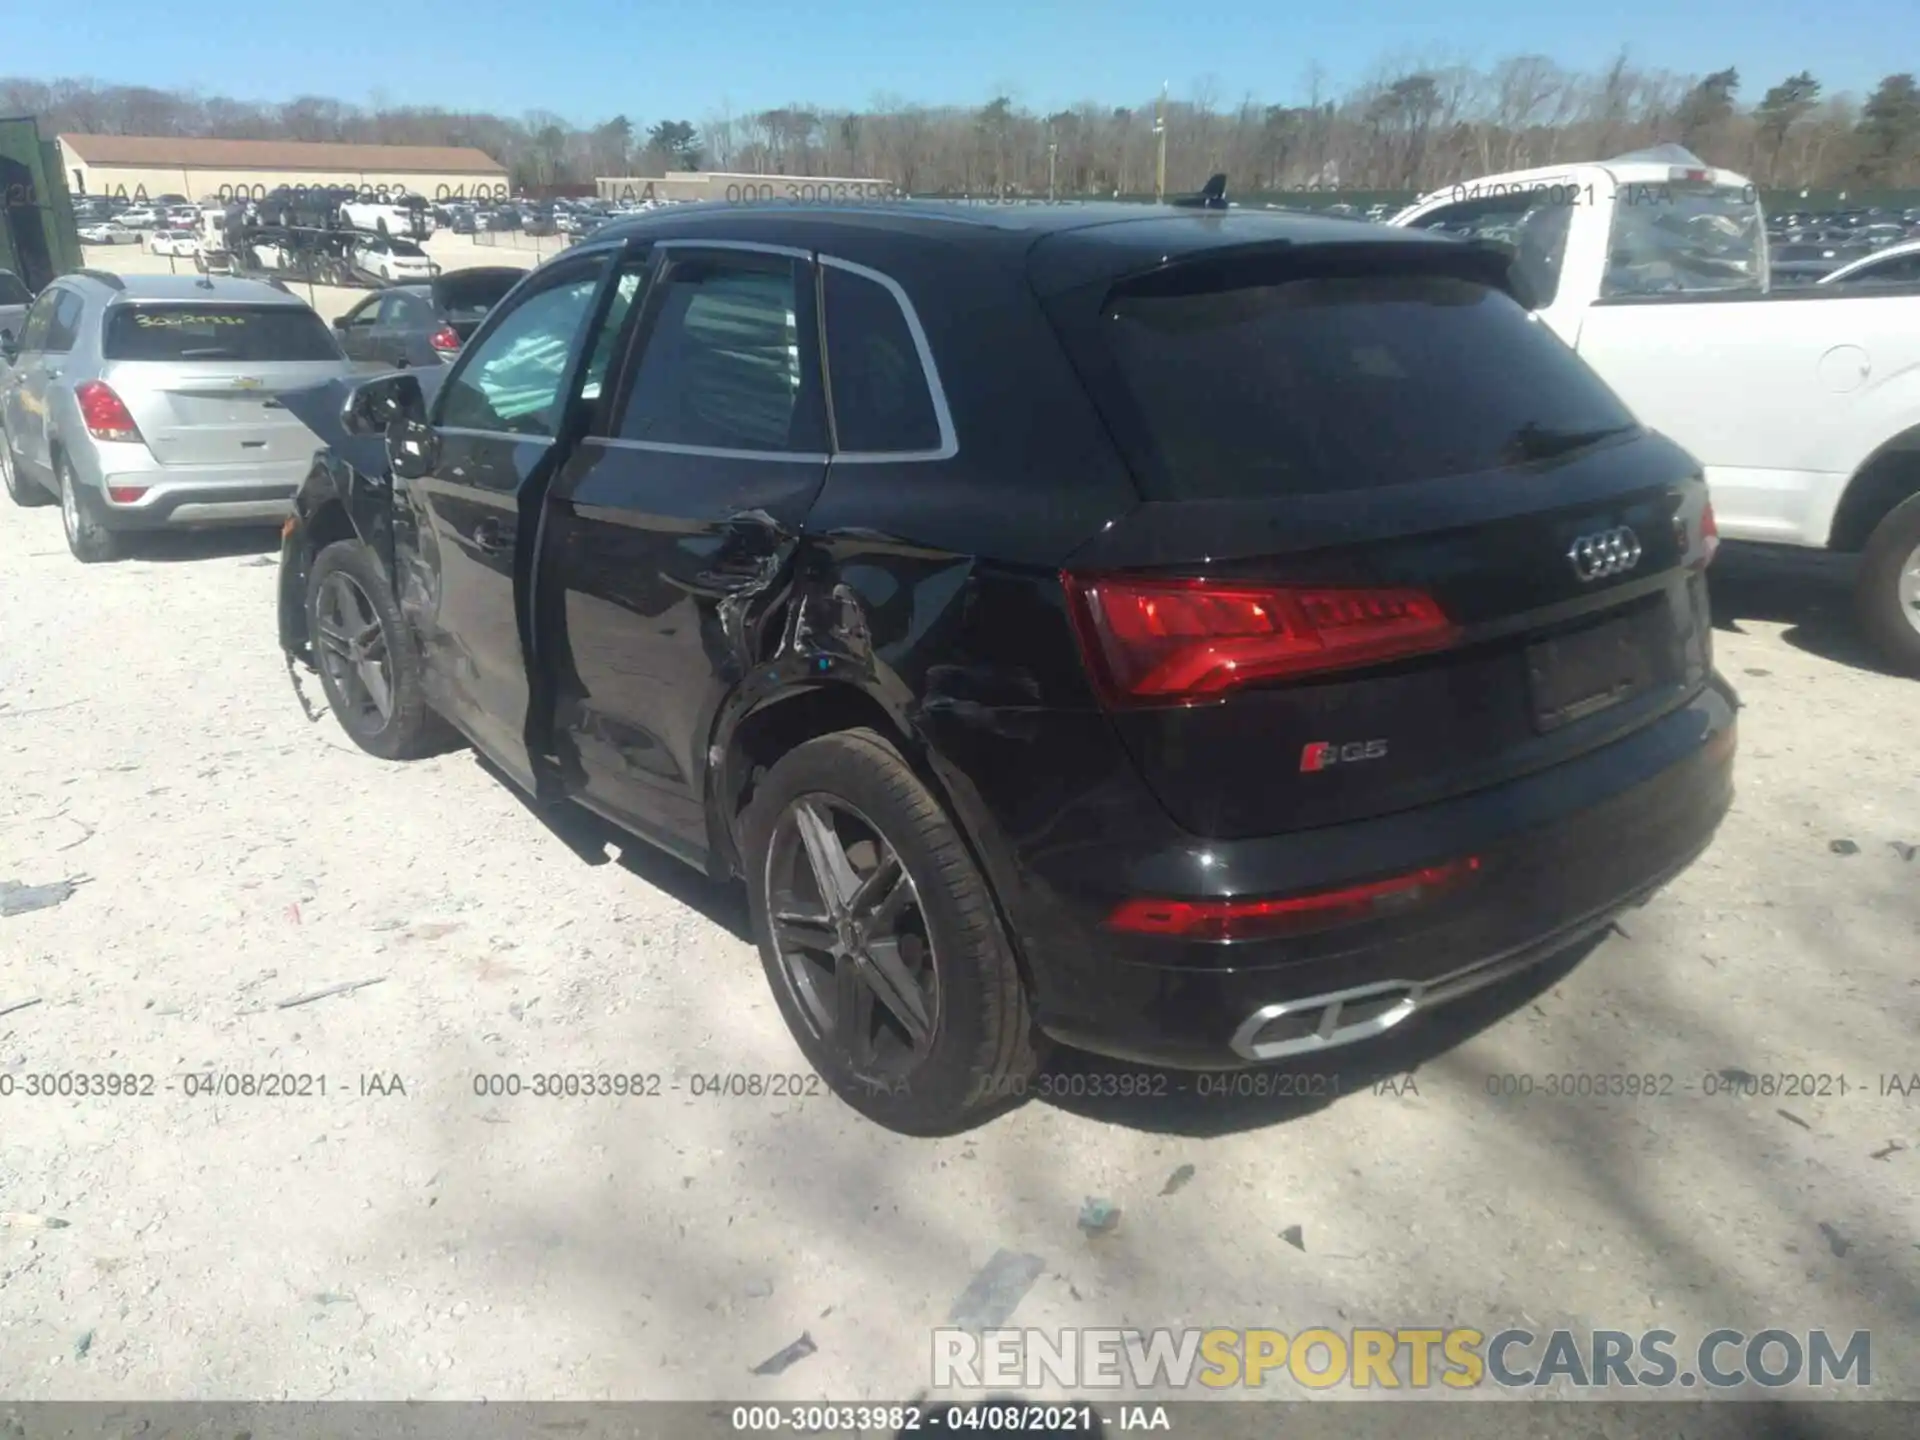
x: 1201, y: 638
x: 424, y: 324
x: 316, y: 206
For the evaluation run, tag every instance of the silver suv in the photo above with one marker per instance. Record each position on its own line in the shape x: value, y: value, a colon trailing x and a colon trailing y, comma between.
x: 153, y: 401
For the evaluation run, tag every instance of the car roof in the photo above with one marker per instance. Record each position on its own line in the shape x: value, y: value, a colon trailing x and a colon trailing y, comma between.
x: 193, y: 288
x: 1081, y: 240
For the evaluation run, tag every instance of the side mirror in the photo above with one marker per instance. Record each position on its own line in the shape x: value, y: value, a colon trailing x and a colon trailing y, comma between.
x: 374, y: 406
x: 342, y: 324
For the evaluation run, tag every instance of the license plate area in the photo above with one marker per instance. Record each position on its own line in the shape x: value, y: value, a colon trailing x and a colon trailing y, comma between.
x: 1587, y: 671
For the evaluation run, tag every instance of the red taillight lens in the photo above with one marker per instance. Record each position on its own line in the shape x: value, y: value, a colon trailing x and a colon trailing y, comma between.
x: 444, y: 339
x: 1157, y: 641
x: 1290, y: 914
x: 105, y: 414
x: 1709, y: 536
x: 125, y: 494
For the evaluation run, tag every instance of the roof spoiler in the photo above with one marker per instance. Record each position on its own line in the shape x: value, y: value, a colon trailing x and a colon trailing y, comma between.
x: 1212, y: 196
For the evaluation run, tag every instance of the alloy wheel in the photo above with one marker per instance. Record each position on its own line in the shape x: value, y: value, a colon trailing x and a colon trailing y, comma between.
x: 353, y: 648
x: 852, y: 937
x: 1908, y: 588
x: 69, y: 506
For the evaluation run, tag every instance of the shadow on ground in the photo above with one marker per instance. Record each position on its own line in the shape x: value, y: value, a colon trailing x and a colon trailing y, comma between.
x: 1815, y: 604
x: 173, y: 547
x: 588, y: 837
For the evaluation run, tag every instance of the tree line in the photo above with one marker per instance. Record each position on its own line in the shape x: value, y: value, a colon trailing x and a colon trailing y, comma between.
x: 1407, y: 128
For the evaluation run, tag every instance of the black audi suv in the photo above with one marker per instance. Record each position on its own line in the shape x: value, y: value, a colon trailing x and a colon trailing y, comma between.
x: 1201, y: 637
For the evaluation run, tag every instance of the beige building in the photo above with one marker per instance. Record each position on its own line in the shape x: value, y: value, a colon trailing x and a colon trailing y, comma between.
x: 739, y: 189
x: 143, y: 167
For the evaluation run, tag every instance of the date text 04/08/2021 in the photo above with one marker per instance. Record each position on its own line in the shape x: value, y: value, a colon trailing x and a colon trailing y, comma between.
x: 1540, y: 192
x: 979, y: 1417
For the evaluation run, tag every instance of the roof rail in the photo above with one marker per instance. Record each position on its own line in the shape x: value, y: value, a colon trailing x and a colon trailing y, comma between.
x: 105, y: 277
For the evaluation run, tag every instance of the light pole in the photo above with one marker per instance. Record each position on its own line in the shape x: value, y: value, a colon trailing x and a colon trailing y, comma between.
x: 1160, y: 129
x: 1053, y: 156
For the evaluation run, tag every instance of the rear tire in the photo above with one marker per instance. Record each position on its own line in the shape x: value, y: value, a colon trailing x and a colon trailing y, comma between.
x: 1887, y: 590
x: 978, y: 1049
x: 25, y: 493
x: 388, y: 716
x: 89, y: 540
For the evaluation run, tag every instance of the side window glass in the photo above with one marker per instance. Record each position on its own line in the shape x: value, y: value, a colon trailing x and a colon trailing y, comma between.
x: 511, y: 382
x: 722, y: 365
x: 401, y: 310
x: 881, y: 402
x: 368, y: 314
x: 1536, y: 228
x: 64, y: 328
x: 33, y: 332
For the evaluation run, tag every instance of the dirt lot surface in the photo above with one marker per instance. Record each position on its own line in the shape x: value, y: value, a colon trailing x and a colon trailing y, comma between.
x: 401, y: 1235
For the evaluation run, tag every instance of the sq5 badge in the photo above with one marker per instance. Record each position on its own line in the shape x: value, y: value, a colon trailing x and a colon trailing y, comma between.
x: 1324, y: 754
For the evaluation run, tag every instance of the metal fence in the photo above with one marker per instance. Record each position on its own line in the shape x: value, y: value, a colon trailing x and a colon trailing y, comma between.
x: 542, y: 245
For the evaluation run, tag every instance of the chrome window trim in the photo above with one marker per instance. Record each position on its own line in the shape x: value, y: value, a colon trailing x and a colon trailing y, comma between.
x: 751, y: 246
x: 666, y: 447
x: 473, y: 434
x: 943, y: 414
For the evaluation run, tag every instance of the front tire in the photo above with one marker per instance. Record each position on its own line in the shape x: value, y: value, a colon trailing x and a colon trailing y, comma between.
x: 881, y: 940
x: 1887, y: 590
x: 89, y: 540
x: 369, y: 665
x: 22, y: 491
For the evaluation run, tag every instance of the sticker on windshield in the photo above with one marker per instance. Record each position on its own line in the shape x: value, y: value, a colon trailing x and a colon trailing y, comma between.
x: 149, y: 322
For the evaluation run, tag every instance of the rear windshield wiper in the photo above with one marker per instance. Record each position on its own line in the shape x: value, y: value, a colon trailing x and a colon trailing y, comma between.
x: 1532, y: 442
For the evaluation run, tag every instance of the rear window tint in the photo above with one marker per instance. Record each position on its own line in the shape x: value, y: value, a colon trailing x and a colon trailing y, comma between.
x: 1335, y: 384
x: 881, y: 403
x: 469, y: 298
x: 217, y: 332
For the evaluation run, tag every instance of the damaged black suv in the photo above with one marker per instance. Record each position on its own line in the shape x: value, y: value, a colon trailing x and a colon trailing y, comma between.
x: 1202, y: 637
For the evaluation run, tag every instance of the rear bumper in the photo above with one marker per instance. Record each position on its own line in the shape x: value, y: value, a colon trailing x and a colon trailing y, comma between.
x: 1562, y: 852
x: 183, y: 497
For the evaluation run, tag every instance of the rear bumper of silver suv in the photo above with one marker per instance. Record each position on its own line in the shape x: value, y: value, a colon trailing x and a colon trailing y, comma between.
x: 187, y: 496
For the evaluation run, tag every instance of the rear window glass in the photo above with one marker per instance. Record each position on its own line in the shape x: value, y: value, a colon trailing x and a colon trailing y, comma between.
x: 470, y: 297
x: 12, y: 292
x: 1346, y: 383
x: 217, y: 332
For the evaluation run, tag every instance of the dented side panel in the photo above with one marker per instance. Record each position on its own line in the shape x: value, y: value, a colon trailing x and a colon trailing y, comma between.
x: 660, y: 575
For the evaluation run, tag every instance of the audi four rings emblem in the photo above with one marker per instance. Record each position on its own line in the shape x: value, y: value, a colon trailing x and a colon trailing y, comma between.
x: 1604, y: 553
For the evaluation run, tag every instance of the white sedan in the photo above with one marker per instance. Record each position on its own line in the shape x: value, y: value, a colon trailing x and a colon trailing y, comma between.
x: 393, y: 259
x: 174, y: 242
x: 1894, y: 265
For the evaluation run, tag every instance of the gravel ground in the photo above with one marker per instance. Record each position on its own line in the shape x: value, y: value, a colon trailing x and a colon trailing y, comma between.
x: 402, y: 1236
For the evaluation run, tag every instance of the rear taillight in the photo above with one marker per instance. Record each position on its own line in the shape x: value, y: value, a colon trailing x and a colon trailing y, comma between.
x: 1254, y: 919
x: 1159, y: 641
x: 444, y: 339
x: 105, y: 414
x: 1709, y: 536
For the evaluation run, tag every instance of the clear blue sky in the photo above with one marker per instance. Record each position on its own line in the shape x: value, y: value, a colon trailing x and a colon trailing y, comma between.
x: 590, y: 59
